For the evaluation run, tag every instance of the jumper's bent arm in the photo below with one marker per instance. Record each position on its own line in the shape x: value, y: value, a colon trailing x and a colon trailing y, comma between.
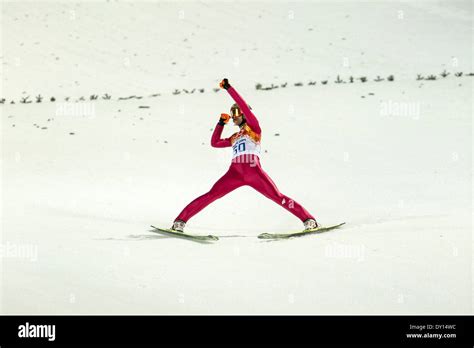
x: 216, y: 140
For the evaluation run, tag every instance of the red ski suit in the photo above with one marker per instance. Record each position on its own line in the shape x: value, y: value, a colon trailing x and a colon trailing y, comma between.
x: 245, y: 168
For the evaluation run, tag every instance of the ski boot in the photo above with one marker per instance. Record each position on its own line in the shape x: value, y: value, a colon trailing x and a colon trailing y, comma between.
x: 178, y: 225
x: 310, y: 224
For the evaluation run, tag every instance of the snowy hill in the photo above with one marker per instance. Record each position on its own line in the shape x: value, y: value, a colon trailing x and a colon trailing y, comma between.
x: 82, y: 181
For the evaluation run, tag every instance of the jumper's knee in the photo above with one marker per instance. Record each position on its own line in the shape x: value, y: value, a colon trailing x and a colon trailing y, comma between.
x: 213, y: 195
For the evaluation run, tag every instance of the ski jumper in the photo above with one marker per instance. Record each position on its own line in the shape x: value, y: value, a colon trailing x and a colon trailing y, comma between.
x: 245, y: 168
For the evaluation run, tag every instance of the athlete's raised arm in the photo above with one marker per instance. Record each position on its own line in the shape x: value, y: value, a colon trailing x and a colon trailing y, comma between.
x: 249, y: 116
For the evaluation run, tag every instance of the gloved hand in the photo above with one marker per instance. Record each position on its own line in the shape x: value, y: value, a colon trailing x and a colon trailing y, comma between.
x: 224, y: 119
x: 224, y: 84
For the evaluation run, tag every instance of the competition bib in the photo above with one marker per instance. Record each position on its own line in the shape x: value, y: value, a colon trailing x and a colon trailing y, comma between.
x: 245, y: 146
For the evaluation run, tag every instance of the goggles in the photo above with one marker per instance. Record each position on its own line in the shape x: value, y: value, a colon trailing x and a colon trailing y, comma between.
x: 236, y: 112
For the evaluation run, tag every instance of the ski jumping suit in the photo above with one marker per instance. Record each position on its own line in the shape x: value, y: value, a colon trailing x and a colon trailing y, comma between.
x: 245, y: 168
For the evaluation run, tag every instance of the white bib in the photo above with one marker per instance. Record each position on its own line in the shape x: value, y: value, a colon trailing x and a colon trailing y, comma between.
x: 245, y: 146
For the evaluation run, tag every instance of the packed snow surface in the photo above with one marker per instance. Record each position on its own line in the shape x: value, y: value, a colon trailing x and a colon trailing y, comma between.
x: 82, y: 180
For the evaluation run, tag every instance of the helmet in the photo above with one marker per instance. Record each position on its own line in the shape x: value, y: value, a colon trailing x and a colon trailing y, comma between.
x: 235, y: 109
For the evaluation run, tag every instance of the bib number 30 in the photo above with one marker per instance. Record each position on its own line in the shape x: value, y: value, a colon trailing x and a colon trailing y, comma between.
x: 238, y: 148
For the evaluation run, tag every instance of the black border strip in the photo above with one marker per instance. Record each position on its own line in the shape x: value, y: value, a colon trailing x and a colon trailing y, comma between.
x: 225, y: 330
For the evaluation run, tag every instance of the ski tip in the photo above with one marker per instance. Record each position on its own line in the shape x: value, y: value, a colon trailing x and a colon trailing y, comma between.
x: 265, y: 236
x: 201, y: 238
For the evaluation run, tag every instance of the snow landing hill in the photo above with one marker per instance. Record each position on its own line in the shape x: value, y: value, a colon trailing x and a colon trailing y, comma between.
x: 82, y: 180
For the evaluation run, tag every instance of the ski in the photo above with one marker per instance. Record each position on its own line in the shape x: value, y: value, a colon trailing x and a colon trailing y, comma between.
x: 298, y: 234
x: 186, y: 235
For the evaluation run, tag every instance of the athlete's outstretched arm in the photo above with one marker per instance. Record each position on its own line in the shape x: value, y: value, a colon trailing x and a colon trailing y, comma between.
x: 249, y: 116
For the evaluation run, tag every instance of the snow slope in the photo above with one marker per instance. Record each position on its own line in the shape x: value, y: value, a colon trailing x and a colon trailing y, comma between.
x: 392, y: 159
